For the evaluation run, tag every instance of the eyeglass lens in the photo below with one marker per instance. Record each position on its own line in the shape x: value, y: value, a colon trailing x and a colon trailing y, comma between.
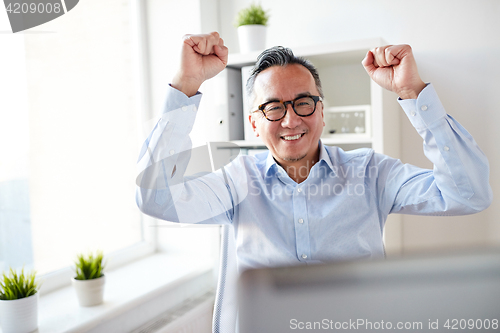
x: 303, y: 106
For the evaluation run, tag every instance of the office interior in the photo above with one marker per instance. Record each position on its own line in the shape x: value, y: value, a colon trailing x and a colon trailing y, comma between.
x: 80, y: 93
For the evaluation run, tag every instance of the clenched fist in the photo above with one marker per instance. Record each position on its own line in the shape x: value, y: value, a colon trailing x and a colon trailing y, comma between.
x: 394, y: 68
x: 203, y: 56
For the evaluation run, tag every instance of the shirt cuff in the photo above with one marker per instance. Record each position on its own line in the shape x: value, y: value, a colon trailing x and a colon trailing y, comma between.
x: 175, y: 99
x: 425, y: 110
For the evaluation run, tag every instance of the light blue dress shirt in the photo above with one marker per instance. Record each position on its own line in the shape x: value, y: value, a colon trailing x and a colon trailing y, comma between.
x: 338, y: 212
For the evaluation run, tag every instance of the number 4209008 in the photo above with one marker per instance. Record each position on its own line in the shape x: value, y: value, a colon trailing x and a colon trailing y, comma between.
x: 24, y: 8
x: 477, y: 324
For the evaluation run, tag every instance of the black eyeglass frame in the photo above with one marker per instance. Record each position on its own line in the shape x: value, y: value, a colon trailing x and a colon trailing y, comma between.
x: 316, y: 99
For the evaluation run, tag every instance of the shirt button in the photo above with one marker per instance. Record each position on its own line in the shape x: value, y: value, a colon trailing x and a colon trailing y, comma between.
x: 172, y: 152
x: 446, y: 148
x: 299, y: 190
x: 301, y: 221
x: 184, y: 108
x: 423, y: 107
x: 304, y: 256
x: 413, y: 113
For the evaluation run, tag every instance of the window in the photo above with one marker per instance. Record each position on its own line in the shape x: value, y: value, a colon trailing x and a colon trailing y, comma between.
x: 69, y: 138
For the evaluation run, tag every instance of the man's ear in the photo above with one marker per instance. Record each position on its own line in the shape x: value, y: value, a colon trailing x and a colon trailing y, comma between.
x: 251, y: 119
x: 322, y: 114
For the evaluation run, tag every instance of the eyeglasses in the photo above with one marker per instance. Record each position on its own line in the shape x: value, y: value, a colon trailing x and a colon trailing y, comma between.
x: 303, y: 106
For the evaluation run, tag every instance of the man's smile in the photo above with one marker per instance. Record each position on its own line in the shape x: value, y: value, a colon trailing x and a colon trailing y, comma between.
x: 292, y: 137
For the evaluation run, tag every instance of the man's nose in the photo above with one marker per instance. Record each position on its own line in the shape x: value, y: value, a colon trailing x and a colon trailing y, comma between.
x: 291, y: 120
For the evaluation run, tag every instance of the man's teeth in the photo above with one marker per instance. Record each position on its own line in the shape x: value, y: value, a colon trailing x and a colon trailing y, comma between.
x: 295, y: 137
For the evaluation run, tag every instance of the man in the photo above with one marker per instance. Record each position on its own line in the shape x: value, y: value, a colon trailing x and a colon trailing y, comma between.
x: 304, y: 202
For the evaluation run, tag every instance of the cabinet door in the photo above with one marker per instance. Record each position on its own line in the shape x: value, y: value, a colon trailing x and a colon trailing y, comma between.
x: 220, y: 116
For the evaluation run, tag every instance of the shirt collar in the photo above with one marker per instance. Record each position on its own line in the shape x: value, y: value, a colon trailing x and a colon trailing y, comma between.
x: 323, y: 156
x: 270, y: 163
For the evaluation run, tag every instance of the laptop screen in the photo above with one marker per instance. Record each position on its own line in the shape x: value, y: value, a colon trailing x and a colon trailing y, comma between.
x: 426, y: 293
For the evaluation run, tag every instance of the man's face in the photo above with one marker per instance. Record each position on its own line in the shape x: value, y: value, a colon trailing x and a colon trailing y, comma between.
x: 292, y: 138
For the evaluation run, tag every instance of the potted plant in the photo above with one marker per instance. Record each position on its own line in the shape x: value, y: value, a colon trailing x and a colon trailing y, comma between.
x: 251, y: 23
x: 89, y: 280
x: 18, y: 302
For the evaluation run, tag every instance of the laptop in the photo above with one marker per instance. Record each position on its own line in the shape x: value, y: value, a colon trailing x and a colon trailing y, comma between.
x: 428, y: 293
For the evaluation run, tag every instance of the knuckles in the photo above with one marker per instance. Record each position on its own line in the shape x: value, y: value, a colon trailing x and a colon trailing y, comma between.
x: 386, y: 53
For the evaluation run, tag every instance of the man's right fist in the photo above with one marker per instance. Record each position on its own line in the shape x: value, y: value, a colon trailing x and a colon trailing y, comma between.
x: 203, y: 56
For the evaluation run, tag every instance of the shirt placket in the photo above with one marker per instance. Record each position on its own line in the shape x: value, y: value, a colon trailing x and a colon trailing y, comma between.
x: 301, y: 223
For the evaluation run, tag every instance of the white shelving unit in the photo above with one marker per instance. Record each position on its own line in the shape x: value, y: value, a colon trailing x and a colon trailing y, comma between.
x: 345, y: 84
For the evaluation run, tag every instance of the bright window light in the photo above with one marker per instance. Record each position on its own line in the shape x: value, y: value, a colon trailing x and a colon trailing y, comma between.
x: 68, y: 138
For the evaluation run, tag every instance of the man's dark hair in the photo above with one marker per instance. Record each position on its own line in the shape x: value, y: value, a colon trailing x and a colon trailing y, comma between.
x: 279, y: 56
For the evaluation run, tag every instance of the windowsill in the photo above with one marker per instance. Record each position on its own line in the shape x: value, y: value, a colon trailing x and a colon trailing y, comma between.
x: 127, y: 293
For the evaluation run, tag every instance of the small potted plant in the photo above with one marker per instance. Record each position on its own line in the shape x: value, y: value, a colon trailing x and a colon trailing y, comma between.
x: 18, y: 302
x: 89, y: 280
x: 251, y: 23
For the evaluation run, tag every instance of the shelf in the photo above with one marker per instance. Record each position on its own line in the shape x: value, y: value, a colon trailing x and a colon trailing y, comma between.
x: 242, y: 144
x: 341, y: 139
x: 348, y: 52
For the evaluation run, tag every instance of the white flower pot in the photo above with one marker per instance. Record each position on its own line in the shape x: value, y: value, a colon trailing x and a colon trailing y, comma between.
x: 89, y: 292
x: 20, y: 315
x: 252, y: 37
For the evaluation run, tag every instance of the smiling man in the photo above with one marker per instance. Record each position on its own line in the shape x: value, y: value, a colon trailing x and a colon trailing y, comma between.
x: 303, y: 202
x: 290, y: 129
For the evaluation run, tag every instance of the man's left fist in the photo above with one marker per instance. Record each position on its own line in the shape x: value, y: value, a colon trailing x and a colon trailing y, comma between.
x: 394, y: 68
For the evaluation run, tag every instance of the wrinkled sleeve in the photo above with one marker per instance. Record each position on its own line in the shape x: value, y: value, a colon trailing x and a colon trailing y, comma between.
x: 458, y: 184
x: 163, y: 191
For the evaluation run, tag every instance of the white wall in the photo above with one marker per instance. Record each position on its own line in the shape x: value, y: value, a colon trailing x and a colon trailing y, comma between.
x: 457, y: 47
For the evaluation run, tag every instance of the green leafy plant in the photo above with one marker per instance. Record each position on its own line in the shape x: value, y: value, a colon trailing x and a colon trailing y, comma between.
x: 15, y: 286
x: 254, y: 14
x: 89, y: 266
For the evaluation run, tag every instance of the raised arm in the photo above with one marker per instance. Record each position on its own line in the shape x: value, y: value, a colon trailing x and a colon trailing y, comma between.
x: 459, y: 181
x: 163, y: 190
